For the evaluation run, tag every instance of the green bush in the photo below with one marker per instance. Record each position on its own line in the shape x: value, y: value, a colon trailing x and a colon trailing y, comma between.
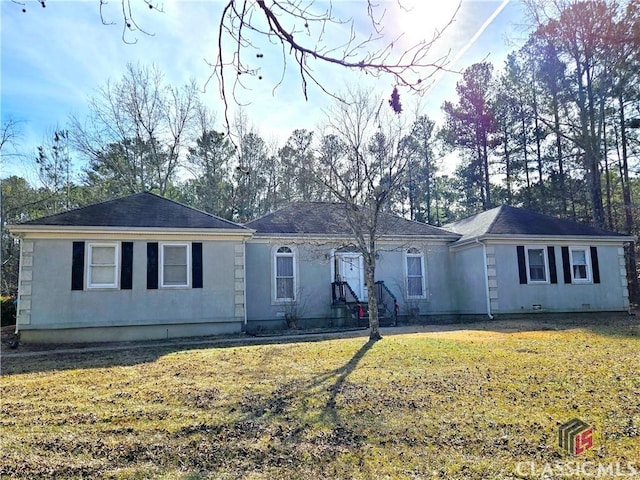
x: 8, y: 311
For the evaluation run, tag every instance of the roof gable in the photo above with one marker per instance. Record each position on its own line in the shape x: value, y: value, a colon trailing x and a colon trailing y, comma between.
x: 141, y: 210
x: 326, y: 218
x: 507, y: 220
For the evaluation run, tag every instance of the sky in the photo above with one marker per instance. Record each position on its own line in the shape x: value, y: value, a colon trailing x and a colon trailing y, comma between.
x: 54, y: 59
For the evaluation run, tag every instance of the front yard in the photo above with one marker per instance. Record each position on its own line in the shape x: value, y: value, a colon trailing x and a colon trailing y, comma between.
x: 473, y: 402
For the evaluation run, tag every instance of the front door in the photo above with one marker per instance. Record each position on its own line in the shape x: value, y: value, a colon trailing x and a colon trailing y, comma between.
x: 350, y: 268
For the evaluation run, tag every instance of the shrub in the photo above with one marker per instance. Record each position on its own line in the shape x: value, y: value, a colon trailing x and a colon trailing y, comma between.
x: 8, y: 311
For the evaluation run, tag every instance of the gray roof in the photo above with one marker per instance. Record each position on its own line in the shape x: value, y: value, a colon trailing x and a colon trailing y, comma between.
x: 142, y: 210
x: 507, y: 220
x: 324, y: 218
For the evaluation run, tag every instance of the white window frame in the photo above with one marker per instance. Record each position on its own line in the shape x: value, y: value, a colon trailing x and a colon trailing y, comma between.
x: 115, y: 265
x: 161, y: 263
x: 293, y: 254
x: 545, y: 260
x: 415, y: 253
x: 587, y: 257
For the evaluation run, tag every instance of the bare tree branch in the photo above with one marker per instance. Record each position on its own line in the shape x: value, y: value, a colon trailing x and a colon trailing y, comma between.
x: 309, y: 32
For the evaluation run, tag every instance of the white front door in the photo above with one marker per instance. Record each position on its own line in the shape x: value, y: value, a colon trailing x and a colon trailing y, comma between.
x: 350, y: 268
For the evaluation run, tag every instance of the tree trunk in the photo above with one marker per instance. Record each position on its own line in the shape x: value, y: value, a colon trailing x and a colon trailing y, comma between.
x: 507, y: 163
x: 632, y: 272
x: 536, y: 118
x: 556, y: 125
x: 485, y: 163
x: 374, y: 319
x: 593, y: 153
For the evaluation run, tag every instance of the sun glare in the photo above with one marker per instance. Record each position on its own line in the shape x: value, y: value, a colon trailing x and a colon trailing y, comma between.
x: 420, y: 20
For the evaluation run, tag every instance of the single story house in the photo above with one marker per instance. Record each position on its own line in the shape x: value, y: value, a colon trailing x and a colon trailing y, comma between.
x: 517, y: 261
x: 138, y: 267
x: 145, y: 267
x: 301, y: 261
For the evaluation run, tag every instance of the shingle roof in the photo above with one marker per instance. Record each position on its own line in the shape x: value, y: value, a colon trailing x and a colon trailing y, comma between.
x: 142, y: 210
x: 507, y: 220
x: 324, y: 218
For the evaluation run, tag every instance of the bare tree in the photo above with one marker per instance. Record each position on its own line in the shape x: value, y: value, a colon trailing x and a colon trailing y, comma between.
x: 54, y: 169
x: 136, y: 130
x: 251, y: 177
x: 209, y: 161
x: 365, y: 177
x: 9, y: 133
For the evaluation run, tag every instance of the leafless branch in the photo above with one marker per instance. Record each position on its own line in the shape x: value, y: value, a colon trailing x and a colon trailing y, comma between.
x: 246, y: 22
x: 311, y: 34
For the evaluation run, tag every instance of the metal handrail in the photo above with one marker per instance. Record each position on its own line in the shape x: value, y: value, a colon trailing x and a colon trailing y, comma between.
x: 396, y: 306
x: 341, y: 297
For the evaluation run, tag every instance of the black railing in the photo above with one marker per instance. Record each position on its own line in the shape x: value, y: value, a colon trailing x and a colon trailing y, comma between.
x: 343, y: 294
x: 339, y: 292
x: 383, y: 293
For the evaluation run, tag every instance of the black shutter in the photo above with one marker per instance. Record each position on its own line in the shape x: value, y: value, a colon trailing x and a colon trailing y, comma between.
x: 126, y: 266
x: 77, y: 266
x: 594, y: 265
x: 566, y: 265
x: 196, y: 265
x: 522, y: 265
x: 152, y: 265
x: 553, y: 273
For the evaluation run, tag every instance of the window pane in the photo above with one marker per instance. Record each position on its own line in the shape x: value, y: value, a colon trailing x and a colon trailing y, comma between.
x: 579, y: 257
x: 414, y: 266
x: 414, y: 285
x: 284, y: 267
x: 175, y: 275
x: 536, y: 265
x: 103, y: 255
x: 536, y: 257
x: 537, y: 273
x: 580, y: 272
x: 103, y: 275
x: 175, y: 255
x: 284, y: 288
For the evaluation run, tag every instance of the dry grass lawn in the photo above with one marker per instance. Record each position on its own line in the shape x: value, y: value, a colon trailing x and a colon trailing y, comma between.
x: 465, y: 403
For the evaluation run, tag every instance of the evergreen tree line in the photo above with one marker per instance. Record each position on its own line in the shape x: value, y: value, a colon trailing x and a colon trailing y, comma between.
x: 555, y: 131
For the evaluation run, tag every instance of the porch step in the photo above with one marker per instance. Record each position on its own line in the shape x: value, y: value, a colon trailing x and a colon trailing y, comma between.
x: 385, y: 319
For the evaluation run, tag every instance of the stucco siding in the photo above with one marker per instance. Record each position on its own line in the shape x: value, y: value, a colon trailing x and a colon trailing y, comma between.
x: 313, y: 282
x: 314, y: 270
x: 55, y: 305
x: 129, y: 333
x: 469, y: 281
x: 609, y: 295
x: 438, y: 297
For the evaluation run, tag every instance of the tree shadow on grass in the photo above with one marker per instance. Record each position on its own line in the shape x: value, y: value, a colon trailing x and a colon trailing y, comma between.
x: 284, y: 395
x: 88, y: 356
x: 56, y: 357
x: 330, y: 410
x: 293, y: 420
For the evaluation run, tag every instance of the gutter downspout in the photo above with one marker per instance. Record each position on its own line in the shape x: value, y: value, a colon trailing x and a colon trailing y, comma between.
x: 20, y: 277
x: 486, y: 277
x: 629, y: 308
x: 244, y: 277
